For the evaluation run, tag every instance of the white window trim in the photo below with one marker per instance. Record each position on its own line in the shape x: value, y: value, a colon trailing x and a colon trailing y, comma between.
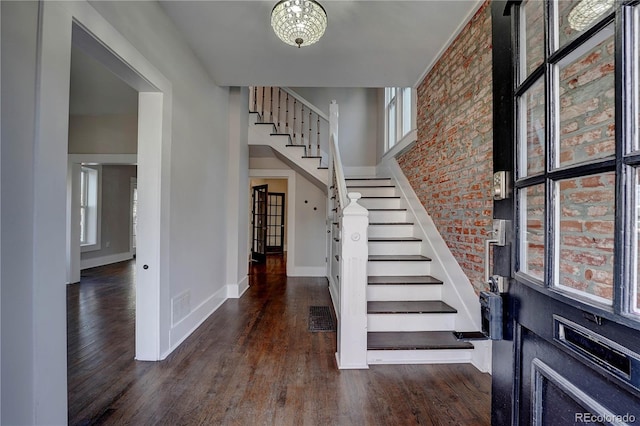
x: 402, y: 137
x: 95, y: 214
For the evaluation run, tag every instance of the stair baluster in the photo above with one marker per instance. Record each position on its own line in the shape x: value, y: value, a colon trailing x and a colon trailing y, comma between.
x: 262, y: 110
x: 302, y: 126
x: 295, y: 102
x: 286, y: 119
x: 279, y: 127
x: 318, y: 138
x: 255, y: 98
x: 310, y: 122
x: 271, y: 105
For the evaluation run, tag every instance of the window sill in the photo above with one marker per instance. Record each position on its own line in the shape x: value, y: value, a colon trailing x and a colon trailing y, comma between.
x: 403, y: 144
x: 89, y: 247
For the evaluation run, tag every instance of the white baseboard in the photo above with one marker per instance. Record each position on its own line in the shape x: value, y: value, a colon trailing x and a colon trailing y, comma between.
x: 308, y: 271
x: 235, y: 291
x: 104, y: 260
x: 440, y: 356
x: 185, y: 327
x: 482, y: 355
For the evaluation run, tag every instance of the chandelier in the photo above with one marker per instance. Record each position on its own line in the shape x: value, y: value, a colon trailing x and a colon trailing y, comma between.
x: 298, y: 22
x: 586, y: 12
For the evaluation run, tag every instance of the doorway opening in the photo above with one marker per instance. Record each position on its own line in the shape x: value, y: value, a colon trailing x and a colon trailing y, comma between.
x: 269, y: 221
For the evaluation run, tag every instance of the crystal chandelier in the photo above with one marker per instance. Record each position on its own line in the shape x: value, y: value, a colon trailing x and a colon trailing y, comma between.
x: 586, y: 12
x: 299, y: 22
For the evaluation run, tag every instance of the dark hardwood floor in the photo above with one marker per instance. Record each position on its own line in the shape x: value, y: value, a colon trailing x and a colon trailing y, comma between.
x: 253, y: 362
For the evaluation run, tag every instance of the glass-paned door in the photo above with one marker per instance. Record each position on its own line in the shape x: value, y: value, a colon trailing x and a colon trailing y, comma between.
x: 259, y: 223
x: 275, y: 222
x: 573, y: 295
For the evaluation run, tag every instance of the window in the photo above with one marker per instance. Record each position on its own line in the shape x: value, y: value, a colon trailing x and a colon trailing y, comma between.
x: 578, y: 153
x: 398, y: 114
x: 89, y: 208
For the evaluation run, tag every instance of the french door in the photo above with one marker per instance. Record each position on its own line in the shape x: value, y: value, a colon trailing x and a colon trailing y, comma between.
x: 566, y: 126
x: 259, y: 223
x: 275, y: 222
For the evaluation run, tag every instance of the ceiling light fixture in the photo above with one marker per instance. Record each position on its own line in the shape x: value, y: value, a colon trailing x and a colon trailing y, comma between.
x: 586, y: 12
x: 298, y: 22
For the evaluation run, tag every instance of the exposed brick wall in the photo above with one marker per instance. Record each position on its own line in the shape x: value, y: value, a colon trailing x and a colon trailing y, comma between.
x: 450, y: 167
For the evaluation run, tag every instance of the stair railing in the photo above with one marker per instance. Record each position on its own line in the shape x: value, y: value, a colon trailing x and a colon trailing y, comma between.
x: 348, y: 222
x: 293, y: 115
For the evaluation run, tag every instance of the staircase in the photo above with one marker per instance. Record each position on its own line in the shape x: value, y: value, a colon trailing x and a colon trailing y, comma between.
x: 395, y: 304
x: 407, y: 321
x: 295, y: 130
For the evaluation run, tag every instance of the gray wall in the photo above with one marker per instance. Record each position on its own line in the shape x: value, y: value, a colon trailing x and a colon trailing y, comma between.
x: 115, y: 210
x: 358, y: 124
x: 103, y: 134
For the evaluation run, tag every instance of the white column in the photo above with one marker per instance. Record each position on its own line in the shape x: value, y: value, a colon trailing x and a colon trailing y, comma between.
x: 352, y: 325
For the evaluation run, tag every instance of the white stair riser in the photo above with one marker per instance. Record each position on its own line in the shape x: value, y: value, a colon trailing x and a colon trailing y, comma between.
x: 381, y: 216
x: 401, y: 268
x: 380, y: 203
x: 390, y: 230
x: 395, y: 247
x: 410, y: 322
x: 367, y: 182
x: 373, y: 192
x: 397, y: 292
x: 434, y: 356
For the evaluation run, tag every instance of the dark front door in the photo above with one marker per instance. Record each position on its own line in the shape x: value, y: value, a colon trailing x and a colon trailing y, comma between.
x: 275, y: 222
x: 259, y: 223
x: 566, y: 114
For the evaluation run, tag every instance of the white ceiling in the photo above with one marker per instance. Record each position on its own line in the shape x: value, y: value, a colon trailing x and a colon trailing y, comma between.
x: 367, y: 43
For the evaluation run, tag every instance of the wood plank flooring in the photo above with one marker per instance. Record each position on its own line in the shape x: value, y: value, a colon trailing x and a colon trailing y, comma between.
x: 253, y: 362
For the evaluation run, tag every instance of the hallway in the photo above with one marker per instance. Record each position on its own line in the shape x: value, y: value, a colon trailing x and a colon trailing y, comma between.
x: 253, y: 362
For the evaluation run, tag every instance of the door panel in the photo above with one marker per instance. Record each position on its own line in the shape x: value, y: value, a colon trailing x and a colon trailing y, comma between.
x: 569, y: 132
x: 259, y: 223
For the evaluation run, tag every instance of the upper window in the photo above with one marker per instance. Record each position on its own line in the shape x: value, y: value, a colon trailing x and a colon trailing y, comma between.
x: 89, y: 208
x: 398, y: 114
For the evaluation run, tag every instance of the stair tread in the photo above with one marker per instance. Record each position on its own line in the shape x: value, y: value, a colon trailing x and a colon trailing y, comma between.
x: 367, y: 178
x: 414, y: 340
x: 299, y: 146
x: 371, y: 186
x: 398, y: 258
x: 389, y: 223
x: 390, y: 197
x: 311, y: 156
x: 410, y: 307
x: 393, y: 239
x: 388, y: 210
x: 398, y: 280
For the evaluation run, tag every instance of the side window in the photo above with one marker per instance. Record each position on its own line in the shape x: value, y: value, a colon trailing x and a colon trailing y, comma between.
x: 90, y: 208
x: 399, y: 107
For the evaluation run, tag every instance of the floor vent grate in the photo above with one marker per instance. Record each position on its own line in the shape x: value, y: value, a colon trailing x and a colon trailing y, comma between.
x: 321, y: 319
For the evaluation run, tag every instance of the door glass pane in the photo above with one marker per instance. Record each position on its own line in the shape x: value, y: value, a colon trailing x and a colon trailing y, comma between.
x: 586, y: 102
x: 531, y: 37
x: 532, y: 130
x: 532, y: 231
x: 586, y: 214
x: 576, y: 16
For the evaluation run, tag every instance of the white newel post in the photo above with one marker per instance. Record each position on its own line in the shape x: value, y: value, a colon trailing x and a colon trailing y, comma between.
x: 352, y: 326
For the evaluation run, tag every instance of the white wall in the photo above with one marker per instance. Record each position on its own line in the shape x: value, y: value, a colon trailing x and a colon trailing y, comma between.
x: 34, y: 346
x: 358, y: 127
x: 237, y: 199
x: 18, y: 49
x: 103, y: 134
